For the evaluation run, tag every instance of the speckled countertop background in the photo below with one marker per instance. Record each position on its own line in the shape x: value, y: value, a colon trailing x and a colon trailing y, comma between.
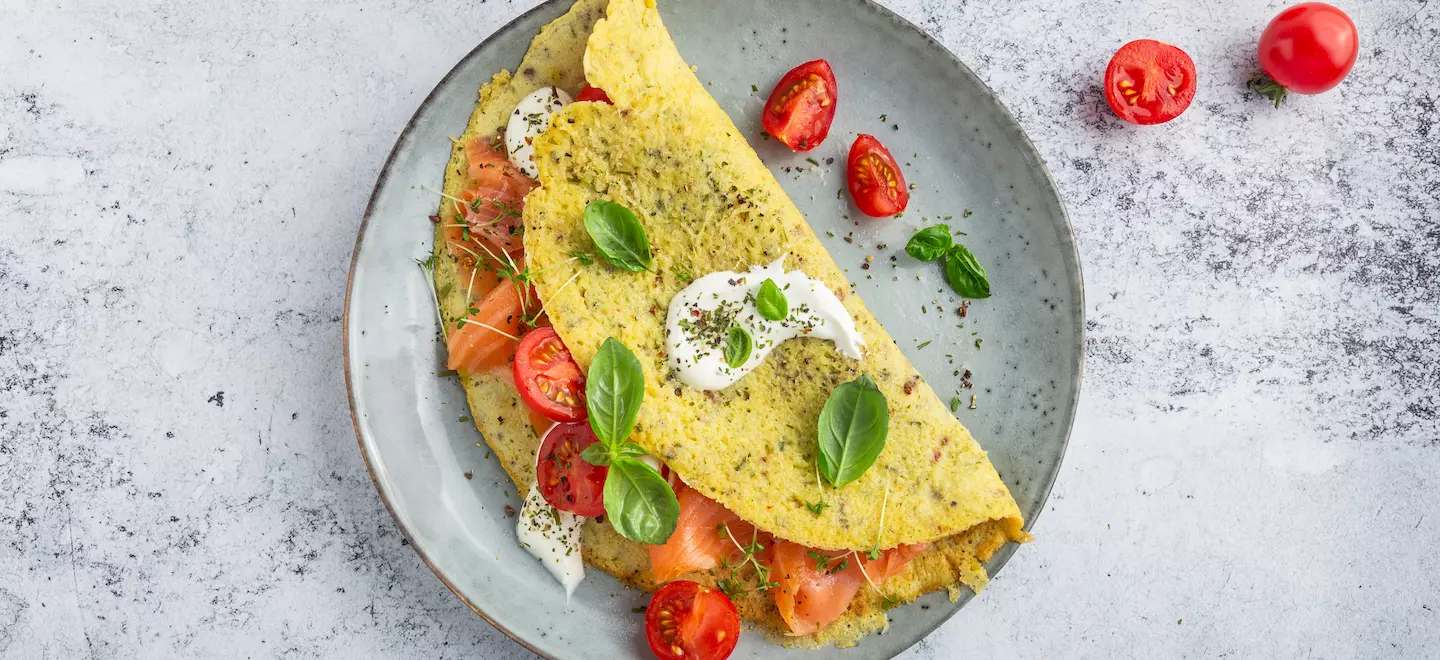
x: 1252, y: 473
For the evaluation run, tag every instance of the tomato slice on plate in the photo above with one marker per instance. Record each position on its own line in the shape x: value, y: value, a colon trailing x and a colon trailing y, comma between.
x: 548, y: 379
x: 588, y: 93
x: 802, y: 106
x: 566, y: 481
x: 1149, y: 82
x: 686, y: 620
x: 875, y: 181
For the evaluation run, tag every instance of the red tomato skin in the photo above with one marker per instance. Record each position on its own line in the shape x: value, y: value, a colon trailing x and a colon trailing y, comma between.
x: 867, y: 197
x: 558, y: 467
x: 1159, y: 65
x: 1309, y: 48
x: 544, y: 344
x: 588, y: 93
x: 702, y: 623
x: 802, y: 120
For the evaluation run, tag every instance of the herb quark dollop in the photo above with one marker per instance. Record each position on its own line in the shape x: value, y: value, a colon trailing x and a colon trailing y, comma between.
x: 707, y: 317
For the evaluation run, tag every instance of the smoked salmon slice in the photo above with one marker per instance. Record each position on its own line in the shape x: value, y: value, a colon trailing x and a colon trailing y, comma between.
x: 478, y: 272
x: 892, y: 562
x: 493, y: 207
x: 810, y: 597
x: 697, y: 543
x: 815, y: 587
x: 488, y: 336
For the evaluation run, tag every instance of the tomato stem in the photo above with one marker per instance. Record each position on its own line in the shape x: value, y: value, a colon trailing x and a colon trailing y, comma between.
x: 1268, y: 88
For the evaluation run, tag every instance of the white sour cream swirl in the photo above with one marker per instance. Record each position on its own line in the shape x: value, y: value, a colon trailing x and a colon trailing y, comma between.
x: 700, y: 316
x: 529, y: 119
x: 552, y: 536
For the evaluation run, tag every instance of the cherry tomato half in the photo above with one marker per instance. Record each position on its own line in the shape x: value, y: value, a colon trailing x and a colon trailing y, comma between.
x: 686, y: 620
x: 1149, y: 82
x: 1309, y: 48
x: 547, y: 377
x: 801, y: 107
x: 568, y: 482
x: 588, y: 93
x: 875, y: 181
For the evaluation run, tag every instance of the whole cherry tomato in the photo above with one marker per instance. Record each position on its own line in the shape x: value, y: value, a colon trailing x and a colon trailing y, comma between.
x: 1307, y: 49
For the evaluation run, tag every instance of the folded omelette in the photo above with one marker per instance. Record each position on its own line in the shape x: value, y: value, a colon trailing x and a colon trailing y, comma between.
x: 667, y: 151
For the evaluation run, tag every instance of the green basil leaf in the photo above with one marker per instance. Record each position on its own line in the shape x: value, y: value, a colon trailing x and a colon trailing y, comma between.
x: 929, y: 243
x: 852, y: 430
x: 618, y: 235
x: 596, y: 454
x: 770, y: 301
x: 738, y: 346
x: 627, y: 450
x: 639, y: 502
x: 601, y: 454
x: 614, y: 389
x: 965, y: 274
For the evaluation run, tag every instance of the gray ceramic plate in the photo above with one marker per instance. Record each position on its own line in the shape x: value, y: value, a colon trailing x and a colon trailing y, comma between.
x: 956, y: 143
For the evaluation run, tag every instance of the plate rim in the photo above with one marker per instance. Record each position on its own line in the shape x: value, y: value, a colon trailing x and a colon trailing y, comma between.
x: 1073, y: 255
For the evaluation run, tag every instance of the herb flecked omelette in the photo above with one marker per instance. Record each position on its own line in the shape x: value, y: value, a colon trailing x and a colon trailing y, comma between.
x: 666, y: 150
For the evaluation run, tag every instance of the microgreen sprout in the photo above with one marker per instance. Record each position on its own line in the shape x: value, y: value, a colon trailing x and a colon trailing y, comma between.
x: 732, y: 586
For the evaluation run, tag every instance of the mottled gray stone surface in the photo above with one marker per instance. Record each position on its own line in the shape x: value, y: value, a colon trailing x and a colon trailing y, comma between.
x: 1252, y: 473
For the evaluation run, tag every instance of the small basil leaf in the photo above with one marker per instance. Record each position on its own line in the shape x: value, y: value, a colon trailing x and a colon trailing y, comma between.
x: 737, y: 347
x: 596, y: 454
x: 639, y: 503
x: 965, y: 274
x: 852, y: 430
x: 929, y: 243
x: 614, y: 389
x: 628, y: 450
x: 618, y: 235
x: 770, y: 301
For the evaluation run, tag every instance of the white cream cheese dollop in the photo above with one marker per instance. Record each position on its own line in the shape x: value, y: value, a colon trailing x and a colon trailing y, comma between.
x: 553, y: 537
x: 529, y: 119
x: 700, y: 316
